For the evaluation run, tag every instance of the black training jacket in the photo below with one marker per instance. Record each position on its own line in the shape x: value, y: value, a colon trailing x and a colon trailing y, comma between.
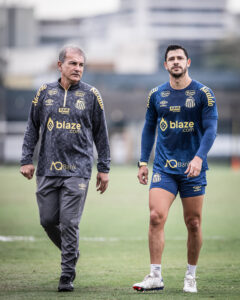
x: 68, y: 123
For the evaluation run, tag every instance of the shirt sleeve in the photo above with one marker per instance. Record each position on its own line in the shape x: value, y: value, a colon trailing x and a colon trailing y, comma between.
x: 100, y: 134
x: 209, y: 122
x: 31, y: 134
x: 209, y: 135
x: 209, y: 105
x: 149, y: 129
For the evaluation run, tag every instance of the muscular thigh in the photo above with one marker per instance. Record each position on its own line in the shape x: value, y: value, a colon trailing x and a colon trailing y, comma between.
x: 192, y: 207
x: 160, y: 201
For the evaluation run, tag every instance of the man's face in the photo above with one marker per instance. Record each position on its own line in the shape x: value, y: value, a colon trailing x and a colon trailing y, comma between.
x: 72, y: 67
x: 177, y: 63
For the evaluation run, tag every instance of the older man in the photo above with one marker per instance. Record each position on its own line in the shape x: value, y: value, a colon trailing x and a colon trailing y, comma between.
x: 69, y: 115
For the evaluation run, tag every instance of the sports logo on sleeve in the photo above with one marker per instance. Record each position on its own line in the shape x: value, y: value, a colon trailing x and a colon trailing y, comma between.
x: 210, y: 96
x: 150, y: 94
x: 99, y: 99
x: 42, y: 88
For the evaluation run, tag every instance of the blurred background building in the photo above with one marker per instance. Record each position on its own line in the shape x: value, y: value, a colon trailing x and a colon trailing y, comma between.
x: 125, y: 52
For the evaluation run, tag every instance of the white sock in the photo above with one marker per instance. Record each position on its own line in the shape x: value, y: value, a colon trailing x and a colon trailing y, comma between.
x: 191, y: 269
x: 156, y: 270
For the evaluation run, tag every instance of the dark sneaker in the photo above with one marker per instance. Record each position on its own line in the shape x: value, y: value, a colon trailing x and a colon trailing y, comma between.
x: 65, y: 284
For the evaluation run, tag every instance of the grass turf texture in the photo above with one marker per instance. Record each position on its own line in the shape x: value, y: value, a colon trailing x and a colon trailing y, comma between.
x: 108, y: 267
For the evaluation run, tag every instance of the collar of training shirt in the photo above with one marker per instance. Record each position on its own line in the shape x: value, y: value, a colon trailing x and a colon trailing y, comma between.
x: 72, y: 87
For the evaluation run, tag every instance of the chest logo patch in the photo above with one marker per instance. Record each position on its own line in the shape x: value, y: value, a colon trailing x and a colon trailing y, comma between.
x: 50, y: 124
x: 163, y: 103
x: 165, y: 93
x: 190, y: 102
x: 163, y: 125
x: 190, y: 93
x: 80, y: 104
x: 49, y: 102
x: 64, y: 110
x: 79, y: 94
x: 52, y: 92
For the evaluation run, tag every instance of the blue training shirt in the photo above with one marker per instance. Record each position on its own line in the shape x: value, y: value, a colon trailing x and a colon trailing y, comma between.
x: 186, y: 122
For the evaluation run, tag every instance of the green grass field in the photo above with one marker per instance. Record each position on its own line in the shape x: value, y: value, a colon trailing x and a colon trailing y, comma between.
x: 114, y: 247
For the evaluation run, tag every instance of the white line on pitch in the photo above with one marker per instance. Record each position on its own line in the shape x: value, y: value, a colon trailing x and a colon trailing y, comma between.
x: 102, y: 239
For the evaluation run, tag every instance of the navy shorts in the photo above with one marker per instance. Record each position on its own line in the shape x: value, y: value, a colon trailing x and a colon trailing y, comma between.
x: 174, y: 183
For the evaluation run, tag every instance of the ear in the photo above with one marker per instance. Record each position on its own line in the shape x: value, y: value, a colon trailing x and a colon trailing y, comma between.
x: 165, y: 65
x: 189, y: 62
x: 60, y: 66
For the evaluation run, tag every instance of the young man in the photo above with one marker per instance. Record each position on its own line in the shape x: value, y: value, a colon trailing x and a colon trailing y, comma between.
x: 185, y: 114
x: 70, y: 117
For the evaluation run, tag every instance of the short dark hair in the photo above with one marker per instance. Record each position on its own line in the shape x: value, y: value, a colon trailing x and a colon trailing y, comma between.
x: 63, y: 52
x: 175, y: 47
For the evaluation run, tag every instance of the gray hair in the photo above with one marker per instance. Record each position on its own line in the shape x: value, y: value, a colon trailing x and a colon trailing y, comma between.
x: 63, y: 52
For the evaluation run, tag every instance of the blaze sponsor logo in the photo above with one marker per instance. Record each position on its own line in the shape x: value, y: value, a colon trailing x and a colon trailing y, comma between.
x: 59, y: 166
x: 80, y: 104
x: 163, y: 103
x: 49, y: 102
x: 165, y: 93
x: 150, y: 94
x: 71, y: 126
x: 173, y: 163
x: 210, y: 97
x: 99, y: 99
x: 197, y: 188
x: 190, y: 102
x: 163, y: 124
x: 175, y: 108
x: 190, y: 93
x: 52, y: 92
x: 64, y: 110
x: 79, y: 94
x: 185, y: 126
x: 156, y: 178
x: 35, y: 100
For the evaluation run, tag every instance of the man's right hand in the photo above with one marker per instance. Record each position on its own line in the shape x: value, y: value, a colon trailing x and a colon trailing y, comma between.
x: 27, y: 171
x: 143, y: 175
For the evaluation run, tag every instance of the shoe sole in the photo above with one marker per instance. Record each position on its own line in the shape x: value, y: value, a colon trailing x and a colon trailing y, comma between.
x: 65, y: 289
x: 185, y: 291
x: 140, y: 289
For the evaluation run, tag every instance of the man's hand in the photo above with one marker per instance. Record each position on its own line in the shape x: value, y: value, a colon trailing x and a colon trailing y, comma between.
x: 194, y: 168
x: 143, y: 175
x: 102, y: 182
x: 27, y: 171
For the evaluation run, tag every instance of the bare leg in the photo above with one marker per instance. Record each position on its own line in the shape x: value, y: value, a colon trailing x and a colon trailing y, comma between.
x: 192, y: 209
x: 160, y: 201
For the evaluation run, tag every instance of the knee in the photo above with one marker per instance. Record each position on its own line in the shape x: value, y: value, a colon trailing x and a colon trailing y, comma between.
x: 157, y: 219
x: 69, y: 221
x: 48, y: 222
x: 193, y: 224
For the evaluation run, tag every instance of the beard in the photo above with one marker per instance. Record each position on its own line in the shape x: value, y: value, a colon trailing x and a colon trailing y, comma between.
x: 178, y: 75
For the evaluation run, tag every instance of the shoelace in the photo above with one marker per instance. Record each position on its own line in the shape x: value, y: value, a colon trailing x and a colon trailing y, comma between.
x: 148, y: 277
x: 191, y: 282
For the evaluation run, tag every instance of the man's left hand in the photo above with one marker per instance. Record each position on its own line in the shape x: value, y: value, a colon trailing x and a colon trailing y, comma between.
x: 102, y: 182
x: 194, y: 168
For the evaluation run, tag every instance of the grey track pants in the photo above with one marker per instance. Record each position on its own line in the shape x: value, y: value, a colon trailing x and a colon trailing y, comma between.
x: 61, y: 201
